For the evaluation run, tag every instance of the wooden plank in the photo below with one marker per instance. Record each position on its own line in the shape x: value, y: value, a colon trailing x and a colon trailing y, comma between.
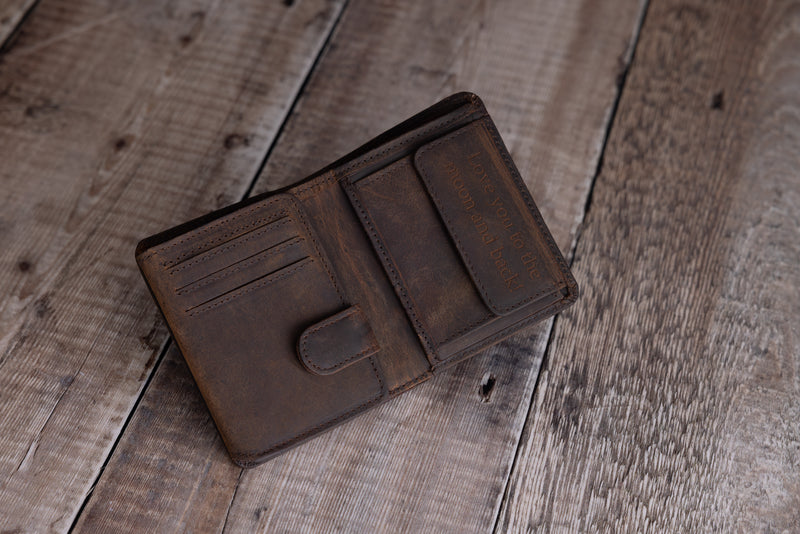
x: 117, y: 120
x: 438, y: 457
x: 11, y: 14
x: 670, y: 401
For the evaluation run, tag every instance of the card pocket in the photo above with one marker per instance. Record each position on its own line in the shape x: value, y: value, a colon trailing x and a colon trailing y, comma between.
x: 272, y: 277
x: 280, y: 228
x: 265, y: 266
x: 240, y: 324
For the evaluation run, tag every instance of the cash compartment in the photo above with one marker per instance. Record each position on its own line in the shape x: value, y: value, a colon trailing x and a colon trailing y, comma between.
x: 457, y: 237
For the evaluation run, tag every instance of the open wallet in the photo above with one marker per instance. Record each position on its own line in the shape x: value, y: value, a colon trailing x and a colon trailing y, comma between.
x: 300, y: 308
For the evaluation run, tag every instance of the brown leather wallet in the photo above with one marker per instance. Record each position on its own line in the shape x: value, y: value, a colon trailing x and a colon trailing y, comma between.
x: 300, y: 308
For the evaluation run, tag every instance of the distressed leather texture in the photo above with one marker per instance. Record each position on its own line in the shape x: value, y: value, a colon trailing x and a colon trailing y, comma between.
x: 298, y: 309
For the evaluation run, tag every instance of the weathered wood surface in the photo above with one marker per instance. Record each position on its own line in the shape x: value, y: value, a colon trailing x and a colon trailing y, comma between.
x: 670, y: 398
x: 11, y: 13
x: 117, y: 119
x: 436, y: 459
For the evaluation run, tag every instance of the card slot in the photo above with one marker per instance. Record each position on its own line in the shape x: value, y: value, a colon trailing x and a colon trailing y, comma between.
x: 252, y: 285
x: 234, y: 251
x: 194, y: 237
x: 239, y: 266
x: 229, y: 244
x: 230, y: 234
x: 242, y: 348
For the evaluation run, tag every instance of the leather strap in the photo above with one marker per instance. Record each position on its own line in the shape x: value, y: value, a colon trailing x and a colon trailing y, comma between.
x: 336, y: 342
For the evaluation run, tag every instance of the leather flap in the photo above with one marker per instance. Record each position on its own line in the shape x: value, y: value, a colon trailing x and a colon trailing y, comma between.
x: 336, y: 342
x: 490, y: 216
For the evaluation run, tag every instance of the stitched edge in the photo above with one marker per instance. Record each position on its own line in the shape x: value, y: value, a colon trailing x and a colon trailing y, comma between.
x: 552, y: 309
x: 354, y: 166
x: 224, y: 238
x: 326, y: 180
x: 373, y: 344
x: 528, y: 199
x: 448, y: 220
x: 390, y: 269
x: 251, y: 286
x: 470, y: 326
x: 191, y: 234
x: 381, y: 176
x: 247, y: 262
x: 252, y: 458
x: 320, y: 255
x: 219, y: 249
x: 405, y: 386
x: 348, y: 169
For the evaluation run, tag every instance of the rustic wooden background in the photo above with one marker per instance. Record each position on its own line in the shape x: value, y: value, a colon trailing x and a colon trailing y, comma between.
x: 660, y: 139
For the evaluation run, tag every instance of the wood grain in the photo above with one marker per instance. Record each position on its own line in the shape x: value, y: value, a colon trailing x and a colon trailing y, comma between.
x: 670, y: 400
x: 11, y: 13
x: 117, y: 119
x: 437, y: 458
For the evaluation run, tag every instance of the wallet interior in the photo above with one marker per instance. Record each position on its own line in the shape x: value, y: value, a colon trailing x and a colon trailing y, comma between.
x: 300, y: 308
x: 456, y: 245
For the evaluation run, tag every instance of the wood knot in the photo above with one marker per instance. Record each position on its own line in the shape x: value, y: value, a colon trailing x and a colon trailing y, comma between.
x: 236, y: 140
x: 487, y: 387
x: 718, y: 100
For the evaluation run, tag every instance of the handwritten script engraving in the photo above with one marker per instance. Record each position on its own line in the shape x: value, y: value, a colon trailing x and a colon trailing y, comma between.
x: 487, y: 215
x: 501, y: 215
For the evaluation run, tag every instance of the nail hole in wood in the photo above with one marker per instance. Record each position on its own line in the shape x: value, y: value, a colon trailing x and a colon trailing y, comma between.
x: 486, y: 387
x: 718, y: 100
x: 235, y: 140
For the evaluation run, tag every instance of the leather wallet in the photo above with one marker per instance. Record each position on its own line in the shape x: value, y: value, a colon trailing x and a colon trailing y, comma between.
x: 300, y: 308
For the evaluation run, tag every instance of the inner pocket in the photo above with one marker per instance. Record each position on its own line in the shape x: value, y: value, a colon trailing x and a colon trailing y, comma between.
x: 266, y: 263
x: 240, y: 326
x: 418, y: 255
x: 279, y: 229
x: 271, y: 277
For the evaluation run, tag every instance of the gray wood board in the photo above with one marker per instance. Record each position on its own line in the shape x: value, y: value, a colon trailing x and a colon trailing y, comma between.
x: 437, y: 458
x: 117, y: 120
x: 12, y: 13
x: 670, y: 398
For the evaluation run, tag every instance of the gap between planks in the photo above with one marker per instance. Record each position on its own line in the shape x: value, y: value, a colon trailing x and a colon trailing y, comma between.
x: 12, y: 16
x: 168, y: 342
x: 623, y: 76
x: 425, y: 80
x: 70, y: 395
x: 650, y: 418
